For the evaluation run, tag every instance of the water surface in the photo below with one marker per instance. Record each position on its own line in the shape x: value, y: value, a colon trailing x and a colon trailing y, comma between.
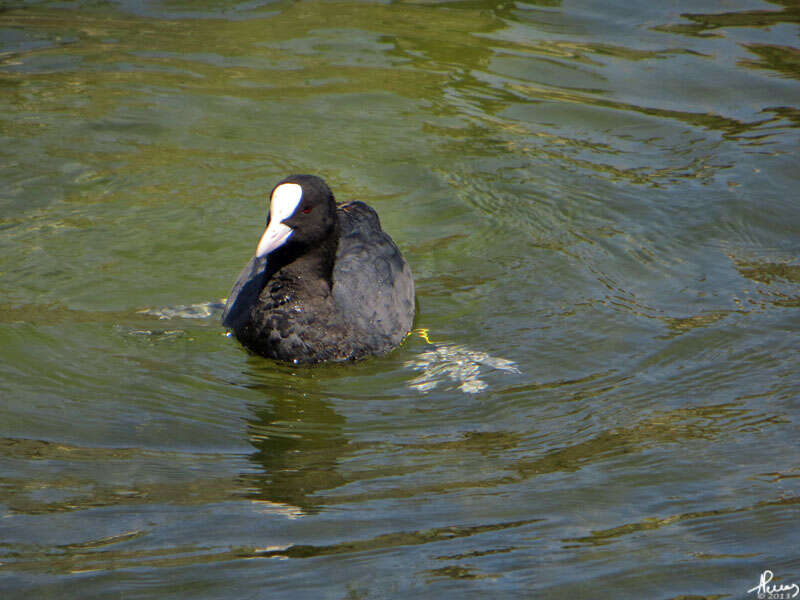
x: 600, y: 205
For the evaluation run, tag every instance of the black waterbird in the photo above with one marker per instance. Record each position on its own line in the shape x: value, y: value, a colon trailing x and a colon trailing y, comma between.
x: 326, y: 282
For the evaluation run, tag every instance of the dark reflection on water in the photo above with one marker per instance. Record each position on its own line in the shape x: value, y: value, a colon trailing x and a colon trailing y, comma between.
x: 705, y: 24
x: 299, y: 440
x: 598, y: 202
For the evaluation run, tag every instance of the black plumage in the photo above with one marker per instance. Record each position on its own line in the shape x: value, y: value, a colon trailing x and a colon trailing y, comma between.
x: 334, y: 288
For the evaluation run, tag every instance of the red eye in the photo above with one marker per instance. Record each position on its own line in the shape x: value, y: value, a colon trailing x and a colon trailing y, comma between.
x: 307, y: 210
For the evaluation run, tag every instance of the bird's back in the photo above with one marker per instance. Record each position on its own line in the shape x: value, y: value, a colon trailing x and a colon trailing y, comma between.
x: 372, y: 282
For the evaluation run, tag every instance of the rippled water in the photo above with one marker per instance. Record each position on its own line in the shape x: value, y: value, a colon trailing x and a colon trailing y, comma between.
x: 600, y: 205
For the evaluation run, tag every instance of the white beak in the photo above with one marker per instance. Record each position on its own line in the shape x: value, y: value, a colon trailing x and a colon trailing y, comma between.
x: 274, y: 236
x: 283, y: 203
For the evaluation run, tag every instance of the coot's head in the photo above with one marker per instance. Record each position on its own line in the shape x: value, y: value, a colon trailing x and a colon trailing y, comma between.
x: 302, y: 213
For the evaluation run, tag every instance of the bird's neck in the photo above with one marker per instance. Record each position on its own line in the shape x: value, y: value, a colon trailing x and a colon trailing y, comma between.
x: 311, y: 271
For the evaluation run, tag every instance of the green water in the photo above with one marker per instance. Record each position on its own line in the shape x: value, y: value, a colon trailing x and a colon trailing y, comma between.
x: 600, y: 205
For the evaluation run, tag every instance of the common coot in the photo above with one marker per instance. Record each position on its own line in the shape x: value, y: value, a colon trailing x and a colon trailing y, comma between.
x: 326, y: 282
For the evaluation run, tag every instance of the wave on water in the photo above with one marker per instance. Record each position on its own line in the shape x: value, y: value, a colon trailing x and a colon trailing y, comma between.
x: 457, y: 363
x: 202, y: 310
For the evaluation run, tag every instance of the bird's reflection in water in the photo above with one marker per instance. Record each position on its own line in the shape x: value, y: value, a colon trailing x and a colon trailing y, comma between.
x: 298, y: 439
